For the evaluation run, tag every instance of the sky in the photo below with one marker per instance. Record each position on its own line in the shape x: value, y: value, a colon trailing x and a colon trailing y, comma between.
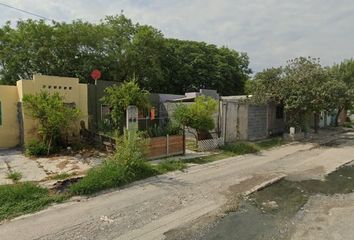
x: 269, y: 31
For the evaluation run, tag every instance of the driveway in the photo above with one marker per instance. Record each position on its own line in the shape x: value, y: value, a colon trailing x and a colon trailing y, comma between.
x: 148, y: 209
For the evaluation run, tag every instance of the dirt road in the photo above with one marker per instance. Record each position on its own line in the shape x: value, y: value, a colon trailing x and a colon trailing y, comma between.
x: 148, y: 209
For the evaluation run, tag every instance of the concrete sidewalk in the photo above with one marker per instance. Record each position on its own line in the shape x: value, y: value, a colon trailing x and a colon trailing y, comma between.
x: 40, y: 169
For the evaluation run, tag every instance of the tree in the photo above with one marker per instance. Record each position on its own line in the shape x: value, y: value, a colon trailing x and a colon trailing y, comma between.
x: 190, y: 65
x: 53, y: 116
x: 303, y: 86
x: 344, y: 73
x: 122, y: 50
x: 119, y: 97
x: 198, y: 116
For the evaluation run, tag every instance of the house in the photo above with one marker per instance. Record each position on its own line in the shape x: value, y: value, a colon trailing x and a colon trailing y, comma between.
x: 16, y: 128
x: 242, y: 120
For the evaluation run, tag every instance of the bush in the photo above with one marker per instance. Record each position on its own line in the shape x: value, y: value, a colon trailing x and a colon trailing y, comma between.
x: 172, y: 128
x: 36, y: 148
x: 22, y: 198
x: 241, y: 148
x: 53, y: 116
x: 127, y: 165
x: 198, y: 116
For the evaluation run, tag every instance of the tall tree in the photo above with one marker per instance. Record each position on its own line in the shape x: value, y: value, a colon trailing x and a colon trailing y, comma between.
x: 344, y: 73
x: 122, y: 50
x: 303, y: 86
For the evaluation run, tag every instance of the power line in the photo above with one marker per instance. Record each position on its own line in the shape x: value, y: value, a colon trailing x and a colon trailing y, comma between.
x: 24, y: 11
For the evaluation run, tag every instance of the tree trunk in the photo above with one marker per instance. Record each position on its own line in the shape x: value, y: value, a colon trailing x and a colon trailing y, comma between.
x: 340, y: 109
x: 316, y: 122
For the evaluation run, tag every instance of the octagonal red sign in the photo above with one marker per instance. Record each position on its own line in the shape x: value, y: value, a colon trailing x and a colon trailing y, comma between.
x: 96, y: 74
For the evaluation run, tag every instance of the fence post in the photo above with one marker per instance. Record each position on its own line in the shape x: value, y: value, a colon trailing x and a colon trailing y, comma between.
x: 184, y: 142
x: 167, y: 145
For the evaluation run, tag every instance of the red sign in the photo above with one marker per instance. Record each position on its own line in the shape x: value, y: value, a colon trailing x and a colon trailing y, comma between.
x: 96, y: 74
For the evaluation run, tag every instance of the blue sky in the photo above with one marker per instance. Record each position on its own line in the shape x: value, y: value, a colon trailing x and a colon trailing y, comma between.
x: 270, y: 31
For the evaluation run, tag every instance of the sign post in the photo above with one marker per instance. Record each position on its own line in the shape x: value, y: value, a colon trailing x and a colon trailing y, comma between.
x: 96, y: 74
x: 132, y: 118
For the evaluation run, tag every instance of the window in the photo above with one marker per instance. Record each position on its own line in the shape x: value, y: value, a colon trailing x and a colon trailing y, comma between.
x: 279, y: 113
x: 0, y: 114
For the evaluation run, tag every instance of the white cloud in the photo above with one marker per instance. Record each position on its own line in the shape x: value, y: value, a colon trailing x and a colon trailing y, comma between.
x: 270, y: 31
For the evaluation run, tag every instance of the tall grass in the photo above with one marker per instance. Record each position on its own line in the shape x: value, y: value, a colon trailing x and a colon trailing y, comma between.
x: 127, y: 165
x: 23, y: 198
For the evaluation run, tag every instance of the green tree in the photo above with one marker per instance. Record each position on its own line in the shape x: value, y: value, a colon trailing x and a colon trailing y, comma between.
x: 122, y: 50
x: 197, y: 116
x: 52, y: 115
x: 344, y: 73
x: 119, y: 97
x: 303, y: 86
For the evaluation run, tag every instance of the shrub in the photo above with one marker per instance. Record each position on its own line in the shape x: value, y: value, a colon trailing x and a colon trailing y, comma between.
x: 22, y: 198
x: 171, y: 128
x: 36, y: 148
x: 53, y: 116
x: 198, y: 116
x: 127, y: 165
x: 119, y: 97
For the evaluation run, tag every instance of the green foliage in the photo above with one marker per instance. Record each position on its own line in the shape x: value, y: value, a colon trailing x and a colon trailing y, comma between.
x: 303, y: 86
x: 36, y: 148
x: 126, y: 165
x: 14, y: 176
x: 118, y: 98
x: 111, y: 174
x: 343, y: 73
x: 172, y: 128
x: 23, y: 198
x: 168, y: 166
x: 122, y: 50
x: 198, y: 115
x: 53, y: 116
x: 241, y: 148
x: 193, y: 65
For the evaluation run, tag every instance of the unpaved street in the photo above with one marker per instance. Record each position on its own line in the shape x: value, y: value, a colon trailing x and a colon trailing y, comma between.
x: 148, y: 209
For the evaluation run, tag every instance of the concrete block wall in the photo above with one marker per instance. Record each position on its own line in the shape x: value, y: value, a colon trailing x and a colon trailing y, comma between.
x: 257, y: 122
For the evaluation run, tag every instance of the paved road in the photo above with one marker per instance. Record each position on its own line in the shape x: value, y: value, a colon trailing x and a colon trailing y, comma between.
x: 149, y: 208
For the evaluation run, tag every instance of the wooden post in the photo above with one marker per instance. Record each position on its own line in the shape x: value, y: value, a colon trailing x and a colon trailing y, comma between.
x: 184, y: 142
x: 167, y: 145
